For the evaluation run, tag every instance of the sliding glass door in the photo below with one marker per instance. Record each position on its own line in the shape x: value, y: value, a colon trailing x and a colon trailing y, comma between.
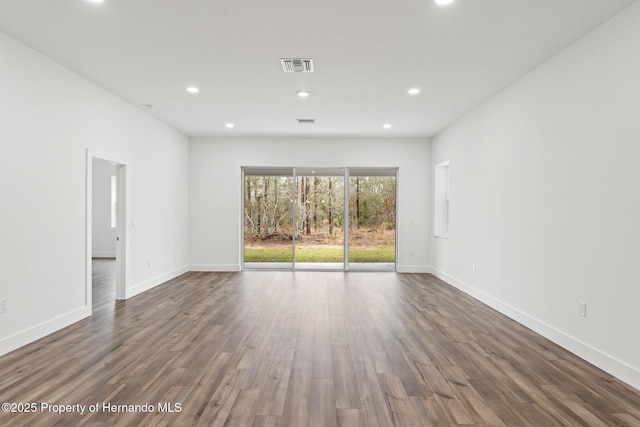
x: 268, y: 222
x: 297, y: 218
x: 372, y: 219
x: 319, y: 243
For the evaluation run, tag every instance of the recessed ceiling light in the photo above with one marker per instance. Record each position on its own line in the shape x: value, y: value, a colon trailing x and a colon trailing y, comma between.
x: 229, y: 125
x: 193, y: 89
x: 413, y: 91
x: 96, y: 1
x: 386, y: 126
x: 443, y: 2
x: 303, y: 93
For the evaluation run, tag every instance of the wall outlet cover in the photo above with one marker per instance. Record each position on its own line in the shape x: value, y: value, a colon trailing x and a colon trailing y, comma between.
x: 582, y: 308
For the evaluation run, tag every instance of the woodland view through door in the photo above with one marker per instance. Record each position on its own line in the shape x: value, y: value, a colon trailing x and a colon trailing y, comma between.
x: 295, y: 218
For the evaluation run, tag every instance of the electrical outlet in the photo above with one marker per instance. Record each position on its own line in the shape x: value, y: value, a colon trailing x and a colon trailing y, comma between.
x: 3, y: 306
x: 474, y: 268
x: 582, y: 308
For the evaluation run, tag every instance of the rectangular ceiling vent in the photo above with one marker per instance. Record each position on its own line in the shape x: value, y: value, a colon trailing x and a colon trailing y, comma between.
x: 297, y: 65
x: 307, y: 121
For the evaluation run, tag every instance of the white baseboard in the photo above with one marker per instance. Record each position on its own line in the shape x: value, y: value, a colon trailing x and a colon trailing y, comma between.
x: 103, y: 255
x: 215, y: 267
x: 413, y: 269
x: 155, y: 281
x: 618, y: 368
x: 43, y: 329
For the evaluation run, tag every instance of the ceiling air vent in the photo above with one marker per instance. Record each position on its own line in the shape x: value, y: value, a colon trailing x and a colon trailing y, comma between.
x: 297, y: 65
x: 307, y: 121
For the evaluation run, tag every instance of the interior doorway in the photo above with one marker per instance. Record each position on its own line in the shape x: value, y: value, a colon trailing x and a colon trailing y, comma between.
x: 106, y: 232
x: 104, y: 202
x: 305, y: 218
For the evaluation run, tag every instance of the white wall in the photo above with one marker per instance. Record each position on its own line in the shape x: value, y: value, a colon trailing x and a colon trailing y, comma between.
x: 103, y: 236
x: 545, y: 198
x: 216, y: 189
x: 49, y: 116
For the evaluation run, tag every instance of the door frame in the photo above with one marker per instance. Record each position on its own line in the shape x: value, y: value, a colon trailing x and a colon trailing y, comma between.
x: 122, y: 247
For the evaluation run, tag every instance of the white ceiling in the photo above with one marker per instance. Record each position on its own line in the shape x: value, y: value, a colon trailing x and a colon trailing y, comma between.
x: 367, y: 54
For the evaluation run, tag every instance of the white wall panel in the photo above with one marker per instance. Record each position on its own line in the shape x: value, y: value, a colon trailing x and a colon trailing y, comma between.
x: 50, y: 117
x: 545, y: 200
x: 216, y: 188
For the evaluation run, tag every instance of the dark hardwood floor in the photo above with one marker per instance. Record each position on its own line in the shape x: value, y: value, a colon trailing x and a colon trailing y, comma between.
x: 307, y: 349
x: 103, y: 274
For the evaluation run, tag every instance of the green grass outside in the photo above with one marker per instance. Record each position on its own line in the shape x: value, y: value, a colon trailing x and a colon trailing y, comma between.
x: 384, y: 254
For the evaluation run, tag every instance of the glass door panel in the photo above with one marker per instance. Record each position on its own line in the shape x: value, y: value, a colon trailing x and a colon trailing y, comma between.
x: 319, y: 241
x: 268, y: 218
x: 372, y: 219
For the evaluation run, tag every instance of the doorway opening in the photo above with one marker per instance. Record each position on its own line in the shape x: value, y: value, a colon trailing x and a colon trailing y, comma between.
x: 319, y: 218
x: 106, y: 233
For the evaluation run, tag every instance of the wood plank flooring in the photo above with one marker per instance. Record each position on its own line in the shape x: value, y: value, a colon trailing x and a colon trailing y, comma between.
x: 307, y: 349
